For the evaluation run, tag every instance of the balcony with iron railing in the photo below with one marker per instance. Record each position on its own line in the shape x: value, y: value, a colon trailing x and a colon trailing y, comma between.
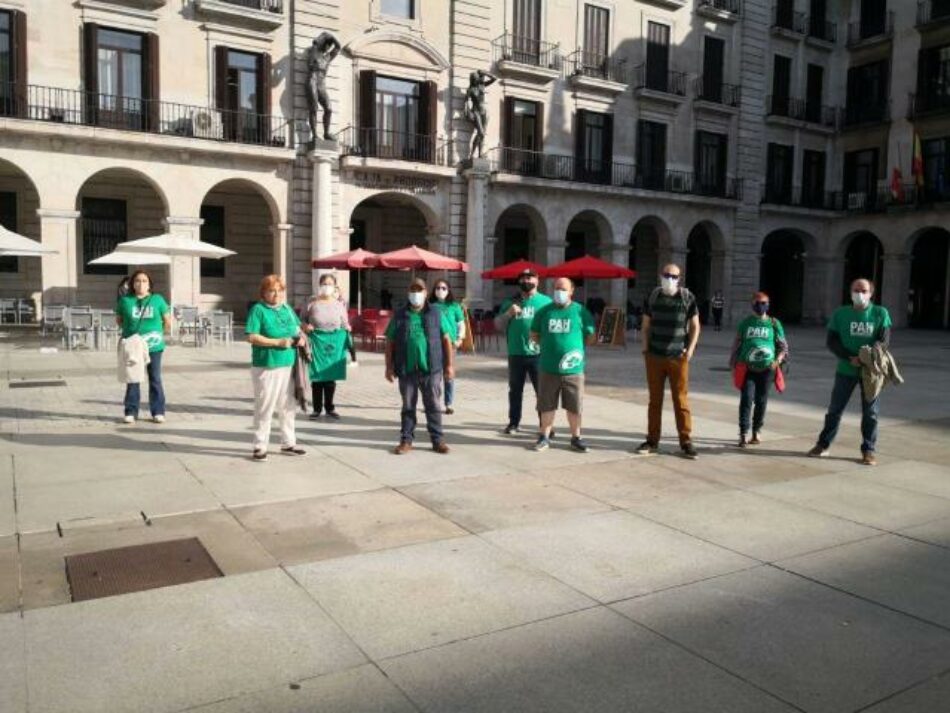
x: 563, y: 167
x: 707, y: 90
x: 719, y: 6
x: 527, y: 57
x: 871, y: 30
x: 802, y: 110
x: 594, y: 65
x: 72, y: 107
x: 932, y: 12
x: 266, y: 14
x: 392, y: 145
x: 667, y: 86
x: 925, y: 103
x: 866, y: 113
x: 785, y: 20
x: 802, y: 197
x: 821, y: 29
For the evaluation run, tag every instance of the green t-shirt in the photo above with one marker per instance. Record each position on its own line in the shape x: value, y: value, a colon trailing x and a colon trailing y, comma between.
x: 562, y: 331
x: 857, y: 328
x: 417, y: 350
x: 452, y: 311
x: 519, y: 328
x: 757, y: 339
x: 144, y: 316
x: 278, y: 322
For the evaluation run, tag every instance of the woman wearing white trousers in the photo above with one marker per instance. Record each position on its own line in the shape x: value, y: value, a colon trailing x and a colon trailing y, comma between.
x: 273, y: 329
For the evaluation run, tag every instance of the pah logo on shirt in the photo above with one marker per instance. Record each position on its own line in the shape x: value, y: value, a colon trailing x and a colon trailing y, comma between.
x: 757, y: 333
x: 527, y: 313
x: 571, y: 360
x: 559, y: 326
x: 140, y: 313
x: 862, y: 329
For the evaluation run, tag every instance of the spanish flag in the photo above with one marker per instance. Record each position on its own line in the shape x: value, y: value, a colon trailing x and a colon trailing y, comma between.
x: 917, y: 163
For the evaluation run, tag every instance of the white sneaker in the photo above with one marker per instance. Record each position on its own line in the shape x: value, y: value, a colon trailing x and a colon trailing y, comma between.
x: 354, y: 364
x: 160, y: 418
x: 128, y: 419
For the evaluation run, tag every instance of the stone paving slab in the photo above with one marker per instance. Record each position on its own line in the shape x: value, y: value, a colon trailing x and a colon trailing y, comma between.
x: 7, y: 509
x: 416, y: 597
x: 936, y: 532
x: 171, y: 648
x: 918, y: 476
x: 42, y: 556
x: 12, y: 665
x: 908, y: 576
x: 770, y: 529
x: 748, y: 468
x: 590, y: 661
x: 820, y: 649
x: 9, y: 575
x: 617, y: 555
x: 931, y: 695
x: 363, y: 689
x: 856, y: 498
x: 316, y: 529
x: 497, y: 501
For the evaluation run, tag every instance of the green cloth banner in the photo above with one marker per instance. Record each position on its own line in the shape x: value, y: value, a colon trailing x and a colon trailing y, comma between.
x: 329, y: 355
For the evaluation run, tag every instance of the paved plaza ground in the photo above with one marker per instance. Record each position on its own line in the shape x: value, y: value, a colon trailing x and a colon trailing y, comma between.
x: 492, y: 579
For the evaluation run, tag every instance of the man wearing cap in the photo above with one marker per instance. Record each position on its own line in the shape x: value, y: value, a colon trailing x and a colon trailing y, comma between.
x: 514, y: 319
x: 418, y: 353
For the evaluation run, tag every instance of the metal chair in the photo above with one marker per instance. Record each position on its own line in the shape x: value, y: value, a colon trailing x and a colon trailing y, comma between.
x: 26, y: 310
x: 220, y: 325
x: 52, y: 318
x: 107, y: 331
x: 188, y: 320
x: 78, y: 323
x: 8, y: 308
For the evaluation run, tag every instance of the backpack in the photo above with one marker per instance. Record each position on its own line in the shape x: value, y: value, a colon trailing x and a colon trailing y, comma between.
x: 684, y: 294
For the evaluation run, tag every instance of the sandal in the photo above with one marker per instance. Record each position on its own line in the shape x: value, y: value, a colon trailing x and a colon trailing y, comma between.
x: 292, y: 450
x: 259, y: 455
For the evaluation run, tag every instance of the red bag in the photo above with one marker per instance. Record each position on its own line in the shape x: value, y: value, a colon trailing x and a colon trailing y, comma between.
x: 739, y: 373
x: 779, y: 380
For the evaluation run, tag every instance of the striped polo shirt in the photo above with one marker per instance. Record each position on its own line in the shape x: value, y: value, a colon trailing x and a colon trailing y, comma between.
x: 668, y: 317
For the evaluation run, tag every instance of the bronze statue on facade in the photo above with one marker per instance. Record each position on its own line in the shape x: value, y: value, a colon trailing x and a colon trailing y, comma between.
x: 476, y: 108
x: 322, y: 52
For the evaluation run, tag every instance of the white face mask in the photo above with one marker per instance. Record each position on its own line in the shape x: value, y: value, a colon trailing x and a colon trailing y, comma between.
x: 860, y: 299
x: 561, y: 297
x: 326, y: 290
x: 417, y: 299
x: 669, y: 285
x: 441, y: 293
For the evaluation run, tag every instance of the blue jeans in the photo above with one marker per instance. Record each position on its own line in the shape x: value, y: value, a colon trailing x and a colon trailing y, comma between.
x: 840, y: 395
x: 755, y: 391
x: 449, y: 392
x: 429, y: 385
x: 520, y: 368
x: 156, y: 392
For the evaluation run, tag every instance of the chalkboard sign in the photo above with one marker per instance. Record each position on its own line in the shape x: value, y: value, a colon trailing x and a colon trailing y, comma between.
x: 611, y: 331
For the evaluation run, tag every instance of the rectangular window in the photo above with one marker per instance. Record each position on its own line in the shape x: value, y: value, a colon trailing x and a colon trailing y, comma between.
x: 526, y: 31
x: 596, y: 41
x: 813, y: 179
x: 404, y: 9
x: 860, y: 177
x: 785, y: 14
x: 867, y: 93
x: 651, y: 154
x: 714, y: 56
x: 711, y: 158
x: 120, y: 79
x: 933, y: 78
x: 781, y: 85
x: 813, y: 92
x: 6, y: 64
x: 104, y: 226
x: 936, y: 153
x: 397, y: 117
x: 212, y: 231
x: 778, y: 178
x: 658, y: 56
x: 594, y: 146
x: 8, y: 220
x: 873, y: 17
x: 524, y: 129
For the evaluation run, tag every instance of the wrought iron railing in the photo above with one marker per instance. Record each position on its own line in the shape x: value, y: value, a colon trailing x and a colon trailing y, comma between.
x: 392, y: 145
x: 666, y: 82
x: 726, y: 94
x: 785, y: 18
x: 597, y: 66
x: 802, y: 110
x: 927, y: 103
x: 821, y: 29
x: 563, y: 167
x: 526, y: 50
x: 70, y: 106
x: 276, y: 6
x: 803, y: 197
x: 856, y: 114
x: 869, y: 28
x: 932, y: 11
x: 725, y: 5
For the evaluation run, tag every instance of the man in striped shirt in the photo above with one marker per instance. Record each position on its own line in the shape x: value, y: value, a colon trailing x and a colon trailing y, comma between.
x: 670, y: 333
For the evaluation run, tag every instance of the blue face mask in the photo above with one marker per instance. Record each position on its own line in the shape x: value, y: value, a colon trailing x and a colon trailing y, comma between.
x: 760, y: 308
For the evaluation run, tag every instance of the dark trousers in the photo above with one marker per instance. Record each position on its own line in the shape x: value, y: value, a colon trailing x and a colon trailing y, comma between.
x: 519, y: 369
x: 430, y: 385
x: 755, y: 391
x: 717, y: 318
x: 840, y: 395
x: 156, y: 392
x: 323, y: 392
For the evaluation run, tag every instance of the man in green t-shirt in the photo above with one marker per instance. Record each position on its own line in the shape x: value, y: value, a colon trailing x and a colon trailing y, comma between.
x: 419, y: 353
x: 514, y: 319
x: 561, y: 329
x: 862, y: 323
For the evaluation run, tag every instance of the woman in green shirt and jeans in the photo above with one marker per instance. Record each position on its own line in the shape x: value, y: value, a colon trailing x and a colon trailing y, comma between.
x: 452, y: 311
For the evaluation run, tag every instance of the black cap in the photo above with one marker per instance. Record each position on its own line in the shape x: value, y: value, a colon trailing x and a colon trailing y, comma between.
x: 528, y: 271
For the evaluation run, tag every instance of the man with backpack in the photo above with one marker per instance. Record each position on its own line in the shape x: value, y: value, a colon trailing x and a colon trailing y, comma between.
x: 670, y: 333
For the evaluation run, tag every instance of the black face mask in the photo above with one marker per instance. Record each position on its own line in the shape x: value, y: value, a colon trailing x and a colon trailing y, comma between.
x: 526, y: 286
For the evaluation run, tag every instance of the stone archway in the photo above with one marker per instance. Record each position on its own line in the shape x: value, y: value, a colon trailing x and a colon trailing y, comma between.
x: 650, y: 245
x: 863, y: 258
x: 20, y: 277
x: 782, y: 274
x: 929, y: 294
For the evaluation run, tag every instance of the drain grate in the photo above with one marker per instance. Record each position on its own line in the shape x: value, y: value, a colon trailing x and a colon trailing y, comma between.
x: 36, y: 383
x: 137, y: 568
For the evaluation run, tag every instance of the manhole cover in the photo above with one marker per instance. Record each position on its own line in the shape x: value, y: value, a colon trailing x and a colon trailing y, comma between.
x: 36, y: 383
x: 137, y: 568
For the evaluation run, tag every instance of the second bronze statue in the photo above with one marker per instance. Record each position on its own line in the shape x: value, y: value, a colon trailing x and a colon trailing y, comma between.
x: 322, y: 52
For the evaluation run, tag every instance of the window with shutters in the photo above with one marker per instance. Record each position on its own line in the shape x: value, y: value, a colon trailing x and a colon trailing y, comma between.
x: 7, y: 77
x: 594, y: 148
x: 714, y: 54
x: 936, y: 155
x: 212, y: 231
x: 244, y: 103
x: 813, y: 179
x: 120, y: 78
x: 526, y: 31
x: 860, y: 177
x: 933, y: 79
x: 778, y: 174
x: 711, y: 157
x: 398, y: 116
x: 781, y: 85
x: 8, y: 219
x: 658, y: 57
x: 867, y: 93
x: 103, y: 222
x: 651, y: 154
x: 596, y: 41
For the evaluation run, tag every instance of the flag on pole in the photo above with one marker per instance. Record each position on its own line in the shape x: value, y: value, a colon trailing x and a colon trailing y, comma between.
x: 917, y: 163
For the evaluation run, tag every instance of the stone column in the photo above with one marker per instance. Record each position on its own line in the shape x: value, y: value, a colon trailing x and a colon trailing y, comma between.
x: 281, y: 256
x: 60, y: 271
x: 477, y: 177
x: 184, y: 273
x: 894, y: 296
x: 822, y: 287
x: 322, y: 156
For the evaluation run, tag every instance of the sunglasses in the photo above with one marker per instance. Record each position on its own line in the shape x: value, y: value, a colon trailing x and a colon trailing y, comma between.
x: 671, y: 276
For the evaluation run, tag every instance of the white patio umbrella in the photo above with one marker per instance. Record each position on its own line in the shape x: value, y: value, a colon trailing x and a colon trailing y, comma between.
x: 15, y: 245
x: 130, y: 258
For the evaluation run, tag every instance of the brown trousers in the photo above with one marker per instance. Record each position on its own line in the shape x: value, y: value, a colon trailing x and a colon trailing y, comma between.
x: 677, y: 370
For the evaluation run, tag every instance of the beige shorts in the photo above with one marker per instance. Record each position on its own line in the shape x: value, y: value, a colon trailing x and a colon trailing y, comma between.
x: 568, y: 388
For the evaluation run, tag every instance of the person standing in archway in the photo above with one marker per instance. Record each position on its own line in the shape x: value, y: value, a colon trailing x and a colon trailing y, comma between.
x: 862, y: 323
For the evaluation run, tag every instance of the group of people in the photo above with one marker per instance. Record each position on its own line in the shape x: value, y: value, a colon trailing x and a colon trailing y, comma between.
x: 546, y: 345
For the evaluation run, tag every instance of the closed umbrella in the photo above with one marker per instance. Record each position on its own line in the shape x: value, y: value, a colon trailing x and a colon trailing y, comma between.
x: 358, y: 260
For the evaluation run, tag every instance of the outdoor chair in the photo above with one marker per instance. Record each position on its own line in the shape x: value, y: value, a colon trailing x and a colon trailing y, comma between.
x: 107, y: 331
x: 52, y: 318
x: 79, y: 323
x: 189, y: 321
x: 8, y: 308
x: 26, y: 311
x: 220, y: 326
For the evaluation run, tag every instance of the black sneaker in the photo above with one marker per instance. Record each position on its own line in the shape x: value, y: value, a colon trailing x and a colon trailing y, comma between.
x: 542, y: 444
x: 510, y: 429
x: 315, y: 415
x: 577, y: 444
x: 334, y: 415
x: 818, y: 451
x: 647, y: 449
x: 742, y: 441
x: 689, y: 451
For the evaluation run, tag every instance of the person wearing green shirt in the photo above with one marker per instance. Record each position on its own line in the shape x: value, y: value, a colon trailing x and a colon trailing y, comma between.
x: 273, y: 330
x: 146, y: 314
x: 450, y: 309
x: 862, y: 323
x: 561, y: 330
x: 761, y: 347
x: 514, y: 319
x: 419, y: 353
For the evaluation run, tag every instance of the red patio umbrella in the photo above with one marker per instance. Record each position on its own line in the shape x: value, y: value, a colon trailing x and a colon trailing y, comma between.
x: 415, y: 258
x: 358, y: 260
x: 513, y: 269
x: 590, y: 267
